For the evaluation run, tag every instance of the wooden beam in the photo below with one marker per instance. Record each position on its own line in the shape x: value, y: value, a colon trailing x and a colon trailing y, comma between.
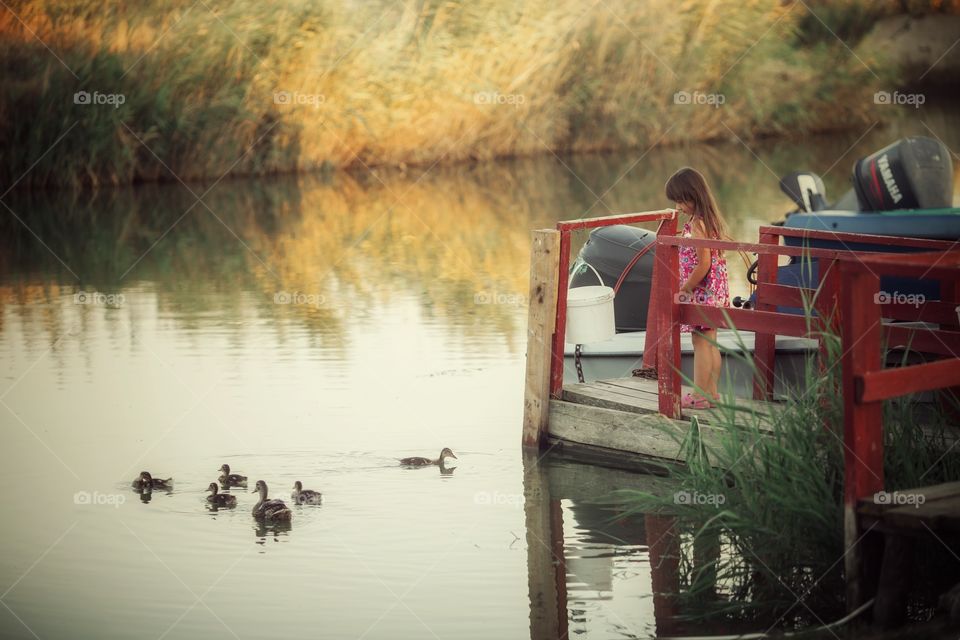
x: 900, y: 381
x: 862, y: 422
x: 765, y: 344
x: 786, y: 324
x: 541, y: 314
x: 617, y: 218
x: 668, y: 329
x: 560, y: 325
x: 945, y: 343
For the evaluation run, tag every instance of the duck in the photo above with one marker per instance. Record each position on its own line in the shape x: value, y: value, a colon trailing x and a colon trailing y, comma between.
x: 416, y: 461
x: 228, y: 479
x: 220, y: 499
x: 301, y: 496
x: 269, y: 509
x: 146, y: 481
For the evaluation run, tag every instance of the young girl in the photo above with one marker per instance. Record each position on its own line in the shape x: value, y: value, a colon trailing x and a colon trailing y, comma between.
x: 703, y: 277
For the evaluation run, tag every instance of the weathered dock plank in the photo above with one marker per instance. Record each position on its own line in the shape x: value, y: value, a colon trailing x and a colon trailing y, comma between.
x: 646, y: 434
x: 933, y: 509
x: 640, y: 396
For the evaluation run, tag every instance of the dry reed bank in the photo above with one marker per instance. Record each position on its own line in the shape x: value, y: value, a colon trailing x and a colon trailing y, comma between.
x: 113, y: 93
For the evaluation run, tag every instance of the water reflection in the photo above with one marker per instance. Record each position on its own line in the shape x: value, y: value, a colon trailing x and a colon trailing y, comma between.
x: 265, y: 531
x: 594, y: 568
x: 324, y: 252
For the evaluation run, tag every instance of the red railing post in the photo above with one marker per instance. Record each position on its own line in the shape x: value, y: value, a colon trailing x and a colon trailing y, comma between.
x: 862, y: 421
x: 765, y: 344
x: 560, y: 328
x: 668, y: 330
x: 650, y: 340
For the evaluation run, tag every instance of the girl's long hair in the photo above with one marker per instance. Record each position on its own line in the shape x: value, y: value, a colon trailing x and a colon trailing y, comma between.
x: 688, y: 185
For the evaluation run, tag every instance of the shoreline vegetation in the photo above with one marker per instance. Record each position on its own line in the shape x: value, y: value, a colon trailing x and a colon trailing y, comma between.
x: 98, y: 93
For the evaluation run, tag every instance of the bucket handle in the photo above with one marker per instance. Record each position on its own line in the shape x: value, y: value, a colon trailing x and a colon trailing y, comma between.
x: 595, y: 272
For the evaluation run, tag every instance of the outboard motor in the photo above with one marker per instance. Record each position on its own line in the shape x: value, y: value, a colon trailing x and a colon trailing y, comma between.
x: 610, y: 250
x: 806, y: 190
x: 911, y: 173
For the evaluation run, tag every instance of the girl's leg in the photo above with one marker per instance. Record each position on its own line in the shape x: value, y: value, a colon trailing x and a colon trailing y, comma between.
x: 702, y: 365
x: 710, y: 338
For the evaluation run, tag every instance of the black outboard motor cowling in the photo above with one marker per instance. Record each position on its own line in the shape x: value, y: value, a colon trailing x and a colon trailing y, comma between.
x: 609, y: 250
x: 911, y: 173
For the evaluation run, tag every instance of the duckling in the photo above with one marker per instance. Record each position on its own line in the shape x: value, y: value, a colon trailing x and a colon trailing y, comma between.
x: 220, y: 499
x: 422, y: 462
x: 228, y: 479
x: 305, y: 497
x: 269, y: 509
x: 146, y: 481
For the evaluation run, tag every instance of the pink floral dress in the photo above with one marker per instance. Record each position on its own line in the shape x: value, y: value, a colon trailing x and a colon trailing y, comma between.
x: 714, y: 289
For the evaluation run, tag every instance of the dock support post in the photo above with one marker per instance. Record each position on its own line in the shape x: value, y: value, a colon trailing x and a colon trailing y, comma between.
x: 765, y: 344
x: 668, y: 330
x: 667, y: 227
x: 561, y: 271
x: 862, y: 423
x: 541, y: 316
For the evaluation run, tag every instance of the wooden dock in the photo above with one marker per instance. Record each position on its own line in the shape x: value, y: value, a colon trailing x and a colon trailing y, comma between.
x: 894, y: 523
x: 621, y: 416
x: 643, y: 419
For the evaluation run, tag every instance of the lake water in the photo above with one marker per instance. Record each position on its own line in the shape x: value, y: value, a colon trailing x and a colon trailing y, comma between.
x: 318, y: 329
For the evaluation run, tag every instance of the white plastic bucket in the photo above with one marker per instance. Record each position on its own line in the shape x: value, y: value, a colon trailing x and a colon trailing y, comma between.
x: 590, y: 314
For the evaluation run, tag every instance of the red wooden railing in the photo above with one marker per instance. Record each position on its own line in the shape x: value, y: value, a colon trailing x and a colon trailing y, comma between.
x: 668, y: 219
x: 846, y: 303
x: 661, y: 346
x: 771, y: 295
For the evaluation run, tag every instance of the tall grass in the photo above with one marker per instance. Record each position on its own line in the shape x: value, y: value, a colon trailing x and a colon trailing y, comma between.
x: 415, y: 82
x: 769, y: 551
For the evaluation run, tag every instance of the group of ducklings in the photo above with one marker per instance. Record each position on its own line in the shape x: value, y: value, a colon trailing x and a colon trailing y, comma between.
x: 267, y: 509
